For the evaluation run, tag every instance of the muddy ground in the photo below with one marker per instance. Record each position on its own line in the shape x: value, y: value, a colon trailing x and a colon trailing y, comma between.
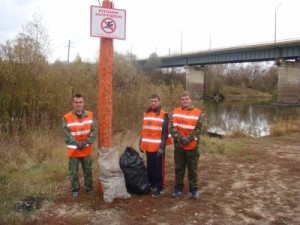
x: 260, y: 185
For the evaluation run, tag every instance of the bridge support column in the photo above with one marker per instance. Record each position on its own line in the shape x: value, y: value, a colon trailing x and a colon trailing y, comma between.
x: 195, y: 81
x: 289, y: 83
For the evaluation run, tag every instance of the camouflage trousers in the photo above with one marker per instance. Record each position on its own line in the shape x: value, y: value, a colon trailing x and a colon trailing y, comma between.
x: 86, y: 164
x: 186, y: 159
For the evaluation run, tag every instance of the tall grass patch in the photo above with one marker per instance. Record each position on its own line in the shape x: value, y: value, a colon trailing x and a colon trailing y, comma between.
x: 284, y: 127
x: 226, y: 146
x: 32, y: 164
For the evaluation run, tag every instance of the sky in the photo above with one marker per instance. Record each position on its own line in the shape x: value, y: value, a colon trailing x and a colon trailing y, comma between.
x: 161, y: 26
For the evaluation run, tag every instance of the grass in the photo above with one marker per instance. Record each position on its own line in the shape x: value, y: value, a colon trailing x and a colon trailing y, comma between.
x: 284, y: 127
x: 226, y: 146
x: 32, y: 166
x: 35, y: 164
x: 239, y: 93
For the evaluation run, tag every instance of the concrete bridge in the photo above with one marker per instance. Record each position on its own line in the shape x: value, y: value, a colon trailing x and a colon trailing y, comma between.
x: 286, y: 55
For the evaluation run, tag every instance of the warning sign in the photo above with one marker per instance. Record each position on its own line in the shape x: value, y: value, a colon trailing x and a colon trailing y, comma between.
x: 108, y: 23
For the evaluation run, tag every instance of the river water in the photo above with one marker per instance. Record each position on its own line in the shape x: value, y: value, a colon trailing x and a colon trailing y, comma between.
x: 251, y: 118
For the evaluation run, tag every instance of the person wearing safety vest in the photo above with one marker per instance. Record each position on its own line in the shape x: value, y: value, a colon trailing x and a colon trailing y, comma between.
x: 186, y: 125
x: 80, y: 130
x: 154, y: 138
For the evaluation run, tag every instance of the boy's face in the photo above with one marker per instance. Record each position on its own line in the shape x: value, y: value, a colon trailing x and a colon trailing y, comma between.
x: 154, y: 103
x: 186, y: 102
x: 78, y: 105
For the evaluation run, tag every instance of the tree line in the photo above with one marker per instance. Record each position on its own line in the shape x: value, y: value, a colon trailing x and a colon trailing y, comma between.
x: 36, y: 93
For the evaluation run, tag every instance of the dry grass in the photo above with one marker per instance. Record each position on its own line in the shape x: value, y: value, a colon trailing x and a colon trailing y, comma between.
x: 225, y: 146
x: 35, y: 165
x: 31, y: 166
x: 240, y: 92
x: 284, y: 127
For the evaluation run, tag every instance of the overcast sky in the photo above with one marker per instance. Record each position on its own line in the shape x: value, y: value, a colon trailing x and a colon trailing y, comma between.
x: 161, y: 26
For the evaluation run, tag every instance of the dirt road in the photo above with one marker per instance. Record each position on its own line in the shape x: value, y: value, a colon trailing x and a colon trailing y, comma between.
x: 259, y: 185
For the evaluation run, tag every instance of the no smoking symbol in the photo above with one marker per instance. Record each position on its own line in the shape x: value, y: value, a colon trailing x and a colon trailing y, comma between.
x: 108, y: 25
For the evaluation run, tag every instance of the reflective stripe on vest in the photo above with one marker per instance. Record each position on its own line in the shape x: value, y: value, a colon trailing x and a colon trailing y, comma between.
x: 81, y: 132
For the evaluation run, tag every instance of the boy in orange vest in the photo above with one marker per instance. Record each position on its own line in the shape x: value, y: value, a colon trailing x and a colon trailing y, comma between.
x: 154, y: 138
x: 79, y: 130
x: 185, y: 128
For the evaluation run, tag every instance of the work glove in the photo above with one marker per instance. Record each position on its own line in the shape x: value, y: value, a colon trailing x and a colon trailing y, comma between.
x: 185, y: 141
x: 160, y: 152
x: 81, y: 145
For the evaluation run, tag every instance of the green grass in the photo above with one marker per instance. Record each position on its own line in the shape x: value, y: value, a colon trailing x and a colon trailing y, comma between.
x: 32, y: 166
x: 226, y: 146
x: 38, y: 182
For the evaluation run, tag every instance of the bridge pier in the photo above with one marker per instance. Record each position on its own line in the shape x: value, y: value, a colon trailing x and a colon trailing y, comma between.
x: 289, y: 83
x: 195, y: 81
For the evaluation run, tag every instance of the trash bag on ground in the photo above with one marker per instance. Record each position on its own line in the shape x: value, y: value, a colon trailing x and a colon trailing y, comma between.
x: 111, y: 176
x: 135, y: 172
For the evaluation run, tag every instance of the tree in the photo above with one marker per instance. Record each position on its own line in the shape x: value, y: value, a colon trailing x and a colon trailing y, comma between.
x: 153, y: 62
x: 23, y: 62
x: 36, y: 30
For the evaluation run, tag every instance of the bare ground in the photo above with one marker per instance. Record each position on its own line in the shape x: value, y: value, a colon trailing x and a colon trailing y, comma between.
x: 259, y: 185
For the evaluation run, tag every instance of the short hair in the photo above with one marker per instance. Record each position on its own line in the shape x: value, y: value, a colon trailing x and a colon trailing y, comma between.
x: 155, y: 96
x: 77, y: 96
x: 186, y: 93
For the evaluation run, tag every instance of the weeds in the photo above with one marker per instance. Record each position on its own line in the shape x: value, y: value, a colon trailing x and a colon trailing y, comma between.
x: 31, y: 167
x: 284, y: 127
x: 226, y: 146
x: 35, y: 164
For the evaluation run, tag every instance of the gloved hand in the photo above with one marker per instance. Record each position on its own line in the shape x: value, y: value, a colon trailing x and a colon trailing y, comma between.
x: 81, y: 145
x: 185, y: 141
x: 160, y: 152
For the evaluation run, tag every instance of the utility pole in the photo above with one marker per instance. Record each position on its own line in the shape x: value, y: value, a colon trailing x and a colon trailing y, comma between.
x: 69, y: 46
x: 181, y: 41
x: 209, y: 41
x: 276, y: 21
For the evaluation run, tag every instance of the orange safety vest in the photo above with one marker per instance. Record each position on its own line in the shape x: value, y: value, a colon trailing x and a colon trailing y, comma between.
x: 152, y: 131
x: 80, y: 129
x: 185, y: 122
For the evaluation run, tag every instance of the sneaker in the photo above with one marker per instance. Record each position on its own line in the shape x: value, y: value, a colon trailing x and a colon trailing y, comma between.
x: 176, y: 194
x: 157, y: 193
x: 153, y: 189
x: 195, y: 194
x: 75, y: 194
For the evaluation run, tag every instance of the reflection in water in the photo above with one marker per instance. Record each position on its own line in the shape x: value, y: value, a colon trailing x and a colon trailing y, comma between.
x: 249, y: 118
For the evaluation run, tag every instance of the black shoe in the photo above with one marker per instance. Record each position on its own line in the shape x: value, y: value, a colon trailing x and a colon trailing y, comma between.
x: 176, y: 194
x: 157, y: 193
x: 153, y: 189
x: 195, y: 194
x: 75, y: 194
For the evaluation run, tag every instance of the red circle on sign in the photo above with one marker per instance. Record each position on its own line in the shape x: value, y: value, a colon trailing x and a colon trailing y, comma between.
x: 108, y: 25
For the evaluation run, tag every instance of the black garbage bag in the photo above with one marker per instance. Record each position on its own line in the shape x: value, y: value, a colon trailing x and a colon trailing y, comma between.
x: 135, y: 173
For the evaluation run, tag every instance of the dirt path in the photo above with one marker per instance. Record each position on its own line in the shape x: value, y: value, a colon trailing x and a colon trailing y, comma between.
x: 258, y: 186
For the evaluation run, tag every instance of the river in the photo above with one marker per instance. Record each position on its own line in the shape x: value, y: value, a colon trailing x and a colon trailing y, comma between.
x: 251, y: 118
